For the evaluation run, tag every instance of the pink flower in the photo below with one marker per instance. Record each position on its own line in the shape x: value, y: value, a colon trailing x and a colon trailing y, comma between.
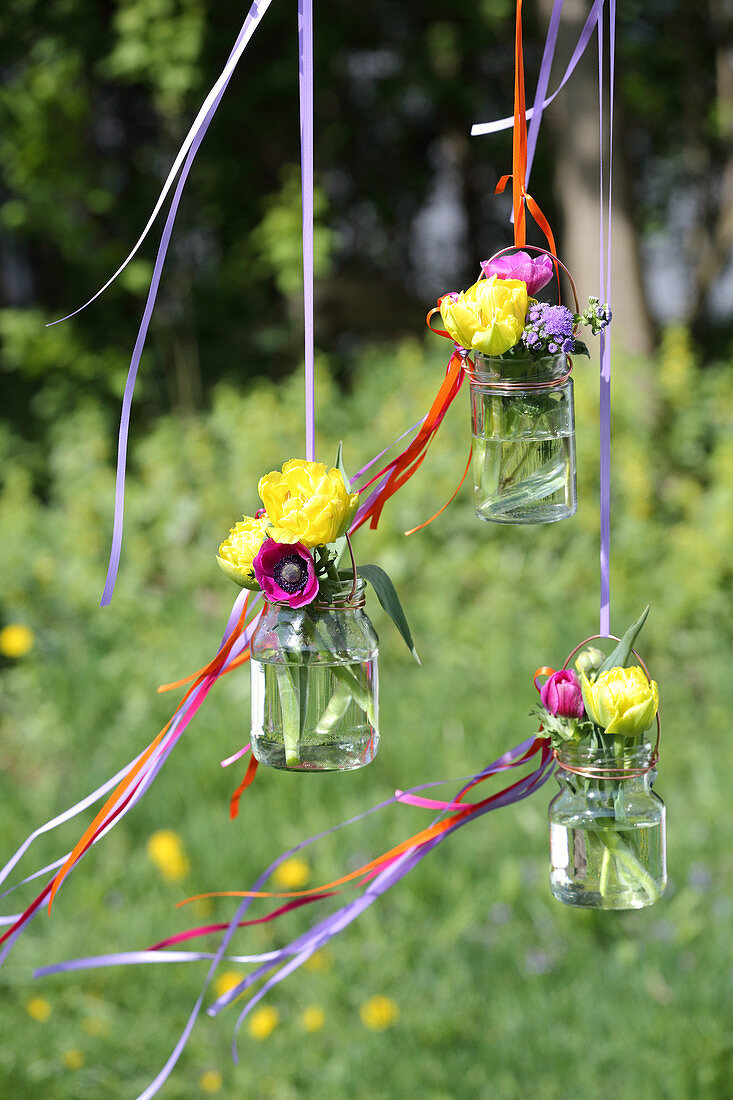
x: 561, y: 694
x: 535, y: 271
x: 285, y: 572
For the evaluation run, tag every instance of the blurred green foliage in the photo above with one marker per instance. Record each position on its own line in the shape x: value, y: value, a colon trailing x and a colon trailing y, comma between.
x: 501, y: 991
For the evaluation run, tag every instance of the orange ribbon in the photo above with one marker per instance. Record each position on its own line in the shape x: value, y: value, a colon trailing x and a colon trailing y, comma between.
x: 248, y: 779
x: 544, y: 671
x: 419, y: 838
x: 213, y: 668
x: 406, y: 464
x: 518, y: 175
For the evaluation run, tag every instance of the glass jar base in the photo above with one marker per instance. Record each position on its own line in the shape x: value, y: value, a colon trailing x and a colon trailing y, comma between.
x: 547, y: 513
x: 572, y: 894
x: 331, y: 756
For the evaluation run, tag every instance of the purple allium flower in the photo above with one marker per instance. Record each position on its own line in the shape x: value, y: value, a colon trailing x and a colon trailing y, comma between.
x: 561, y: 694
x: 568, y: 345
x: 553, y: 348
x: 557, y: 321
x: 285, y: 572
x: 534, y: 271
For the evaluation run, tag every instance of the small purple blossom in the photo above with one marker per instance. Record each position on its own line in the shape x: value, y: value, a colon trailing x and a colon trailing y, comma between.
x: 557, y: 321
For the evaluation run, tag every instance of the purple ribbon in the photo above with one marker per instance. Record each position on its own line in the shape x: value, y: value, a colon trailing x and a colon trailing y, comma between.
x: 188, y: 150
x: 495, y: 127
x: 543, y: 80
x: 305, y: 85
x: 302, y: 947
x: 605, y: 292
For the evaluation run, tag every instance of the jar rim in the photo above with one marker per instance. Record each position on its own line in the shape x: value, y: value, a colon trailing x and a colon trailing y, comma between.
x: 350, y: 594
x: 488, y: 370
x: 617, y: 761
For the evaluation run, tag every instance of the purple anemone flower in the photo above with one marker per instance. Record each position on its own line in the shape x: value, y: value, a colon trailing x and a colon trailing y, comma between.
x: 535, y: 271
x: 561, y: 694
x: 286, y: 573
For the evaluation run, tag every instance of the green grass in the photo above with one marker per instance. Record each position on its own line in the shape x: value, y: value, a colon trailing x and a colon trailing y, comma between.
x: 502, y: 992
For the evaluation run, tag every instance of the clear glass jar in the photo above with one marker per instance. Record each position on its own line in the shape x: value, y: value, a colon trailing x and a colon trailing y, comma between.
x: 607, y: 835
x: 315, y: 686
x: 523, y: 428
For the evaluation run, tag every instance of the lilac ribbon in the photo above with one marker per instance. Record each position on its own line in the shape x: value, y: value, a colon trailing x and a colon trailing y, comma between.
x: 543, y: 80
x: 605, y: 346
x: 305, y: 85
x: 302, y: 947
x: 188, y: 150
x: 480, y: 128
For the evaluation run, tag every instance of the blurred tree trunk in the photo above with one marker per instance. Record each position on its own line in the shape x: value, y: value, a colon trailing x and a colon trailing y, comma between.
x: 713, y: 239
x: 572, y: 120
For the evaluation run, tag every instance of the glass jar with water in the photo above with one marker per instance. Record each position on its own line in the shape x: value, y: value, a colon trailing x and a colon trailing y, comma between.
x: 315, y: 688
x: 607, y: 828
x: 523, y: 429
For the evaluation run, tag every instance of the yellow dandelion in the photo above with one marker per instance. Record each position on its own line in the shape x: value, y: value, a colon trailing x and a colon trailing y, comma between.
x: 72, y: 1059
x: 379, y: 1013
x: 92, y: 1025
x: 38, y: 1008
x: 165, y: 849
x: 320, y: 962
x: 210, y: 1081
x: 226, y: 981
x: 16, y: 640
x: 292, y: 874
x: 313, y: 1018
x: 263, y: 1022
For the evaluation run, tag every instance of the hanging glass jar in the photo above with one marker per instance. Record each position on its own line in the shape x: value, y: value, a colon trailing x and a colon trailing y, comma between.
x: 523, y: 429
x: 315, y: 687
x: 607, y: 827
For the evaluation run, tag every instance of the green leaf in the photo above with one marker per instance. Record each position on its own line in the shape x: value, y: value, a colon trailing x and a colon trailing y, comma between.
x: 620, y: 656
x: 390, y: 601
x: 581, y: 348
x: 339, y: 464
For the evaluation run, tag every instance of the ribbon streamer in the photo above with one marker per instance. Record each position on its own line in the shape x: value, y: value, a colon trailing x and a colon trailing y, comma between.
x: 605, y: 293
x: 479, y: 129
x: 305, y: 82
x: 292, y: 956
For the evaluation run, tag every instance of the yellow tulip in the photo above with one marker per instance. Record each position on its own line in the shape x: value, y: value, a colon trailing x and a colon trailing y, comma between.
x: 307, y: 503
x: 489, y: 316
x: 621, y: 700
x: 239, y: 550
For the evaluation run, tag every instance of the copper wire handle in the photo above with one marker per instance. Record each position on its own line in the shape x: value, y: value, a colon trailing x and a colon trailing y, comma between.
x: 612, y: 772
x: 499, y: 384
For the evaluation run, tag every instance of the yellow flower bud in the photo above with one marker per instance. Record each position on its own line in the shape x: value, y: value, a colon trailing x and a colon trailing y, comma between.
x: 239, y: 550
x: 489, y: 316
x: 621, y: 701
x: 307, y: 503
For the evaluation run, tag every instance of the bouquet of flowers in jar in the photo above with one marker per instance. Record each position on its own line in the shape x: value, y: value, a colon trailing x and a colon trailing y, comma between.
x: 516, y: 352
x: 314, y: 653
x: 607, y: 838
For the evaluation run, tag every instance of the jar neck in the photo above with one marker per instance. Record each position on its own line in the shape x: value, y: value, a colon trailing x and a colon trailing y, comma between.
x: 348, y: 595
x: 490, y: 371
x: 617, y: 760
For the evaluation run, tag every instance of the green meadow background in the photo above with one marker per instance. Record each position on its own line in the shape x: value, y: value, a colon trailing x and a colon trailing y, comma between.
x: 500, y: 990
x: 492, y: 989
